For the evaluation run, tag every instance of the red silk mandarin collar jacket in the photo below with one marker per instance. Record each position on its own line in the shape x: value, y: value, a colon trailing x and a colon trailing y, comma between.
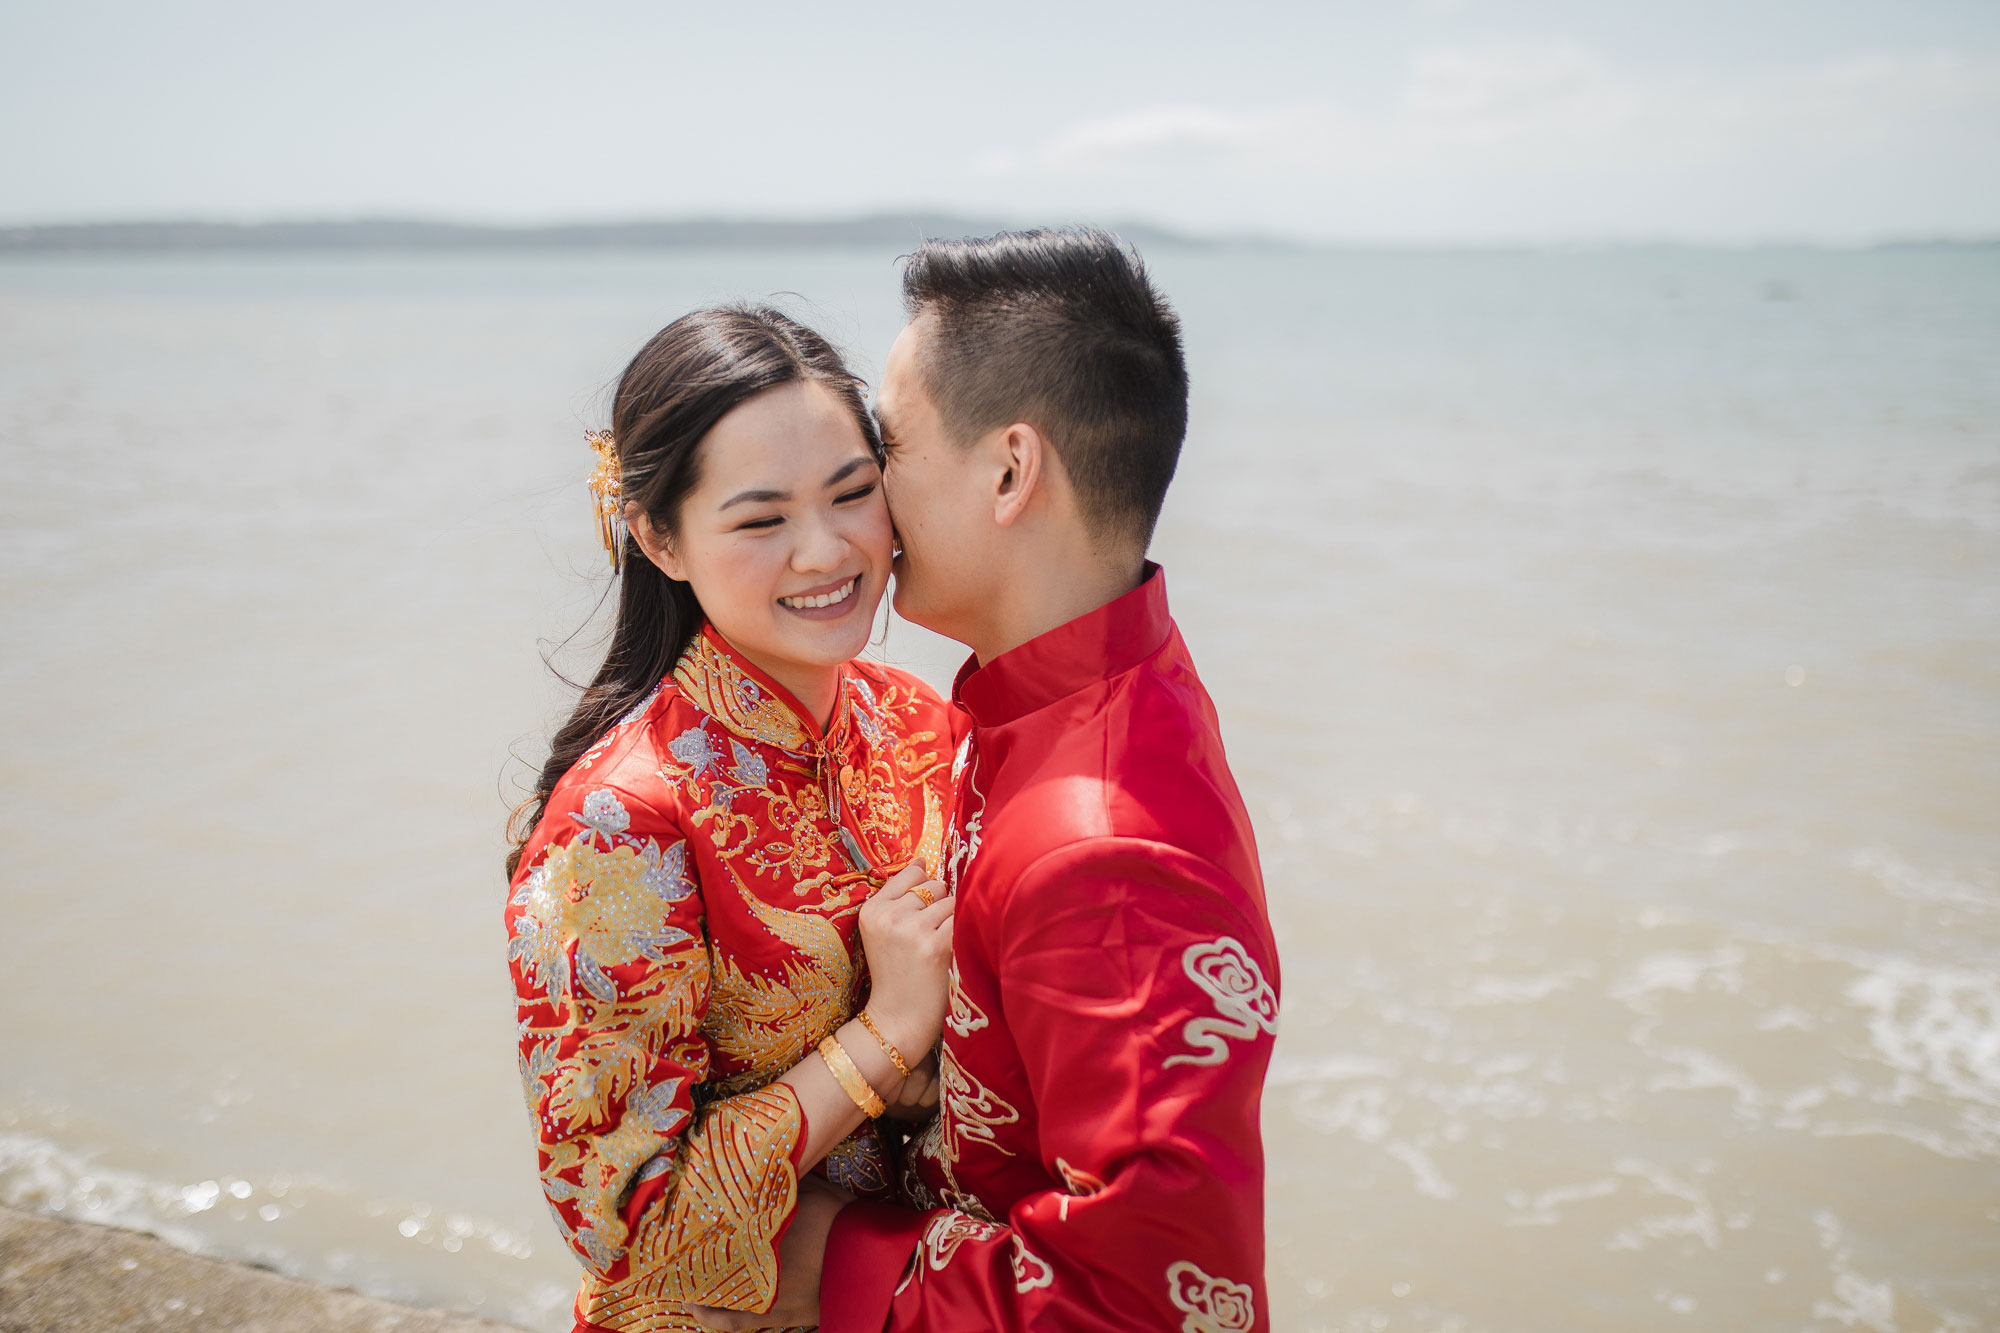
x: 1096, y: 1162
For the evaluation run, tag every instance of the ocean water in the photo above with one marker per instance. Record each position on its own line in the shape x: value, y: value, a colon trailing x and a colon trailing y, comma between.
x: 1607, y: 644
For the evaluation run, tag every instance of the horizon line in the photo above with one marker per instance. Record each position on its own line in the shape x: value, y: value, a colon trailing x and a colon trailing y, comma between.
x: 767, y: 231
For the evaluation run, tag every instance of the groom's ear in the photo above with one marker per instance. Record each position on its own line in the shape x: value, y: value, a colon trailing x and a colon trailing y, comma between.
x: 1025, y: 459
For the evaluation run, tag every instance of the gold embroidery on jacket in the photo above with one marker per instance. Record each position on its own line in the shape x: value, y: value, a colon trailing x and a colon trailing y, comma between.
x: 733, y: 1189
x: 766, y: 1024
x: 612, y: 983
x: 930, y: 847
x: 715, y: 684
x: 602, y: 901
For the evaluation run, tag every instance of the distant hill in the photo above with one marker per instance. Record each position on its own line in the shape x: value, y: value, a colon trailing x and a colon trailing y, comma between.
x: 889, y: 229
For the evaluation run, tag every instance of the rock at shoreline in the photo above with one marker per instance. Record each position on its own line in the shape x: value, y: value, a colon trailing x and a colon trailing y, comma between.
x: 62, y: 1275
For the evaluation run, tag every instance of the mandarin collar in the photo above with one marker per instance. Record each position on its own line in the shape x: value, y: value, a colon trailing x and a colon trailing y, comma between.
x: 1095, y: 646
x: 733, y: 690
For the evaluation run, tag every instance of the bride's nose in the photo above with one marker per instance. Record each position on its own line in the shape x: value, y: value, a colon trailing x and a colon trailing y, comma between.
x: 820, y: 546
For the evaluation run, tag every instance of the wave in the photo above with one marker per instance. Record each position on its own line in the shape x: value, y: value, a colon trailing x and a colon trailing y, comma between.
x: 307, y: 1229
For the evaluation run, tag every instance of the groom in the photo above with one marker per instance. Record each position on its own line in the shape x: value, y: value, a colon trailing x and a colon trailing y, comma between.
x: 1095, y: 1161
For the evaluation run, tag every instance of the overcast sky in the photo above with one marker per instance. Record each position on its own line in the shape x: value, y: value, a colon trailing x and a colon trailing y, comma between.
x: 1385, y: 120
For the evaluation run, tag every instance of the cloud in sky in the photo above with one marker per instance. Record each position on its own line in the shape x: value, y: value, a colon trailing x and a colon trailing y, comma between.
x: 1515, y: 141
x: 1430, y: 120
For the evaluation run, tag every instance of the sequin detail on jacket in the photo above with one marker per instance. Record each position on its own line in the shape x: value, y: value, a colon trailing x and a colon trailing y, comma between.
x: 681, y: 932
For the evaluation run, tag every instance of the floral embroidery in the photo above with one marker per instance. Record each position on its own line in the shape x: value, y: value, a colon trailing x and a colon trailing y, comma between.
x: 614, y: 905
x: 749, y: 770
x: 858, y: 1163
x: 1244, y: 1001
x: 604, y: 814
x: 589, y: 910
x: 662, y: 986
x: 696, y: 749
x: 1209, y: 1304
x: 1030, y: 1270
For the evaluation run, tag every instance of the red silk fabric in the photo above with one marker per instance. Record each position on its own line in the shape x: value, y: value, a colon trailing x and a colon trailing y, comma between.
x: 1097, y: 1161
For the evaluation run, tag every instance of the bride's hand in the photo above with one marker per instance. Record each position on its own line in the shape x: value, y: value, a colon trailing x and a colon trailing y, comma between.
x: 906, y: 934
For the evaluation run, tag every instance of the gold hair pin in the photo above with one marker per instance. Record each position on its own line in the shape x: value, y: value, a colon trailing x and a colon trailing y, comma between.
x: 606, y: 486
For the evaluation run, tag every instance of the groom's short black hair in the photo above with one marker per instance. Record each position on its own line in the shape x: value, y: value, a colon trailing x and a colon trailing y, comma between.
x: 1063, y: 330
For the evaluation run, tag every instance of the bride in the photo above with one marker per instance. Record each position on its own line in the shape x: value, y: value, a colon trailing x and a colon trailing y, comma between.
x: 723, y: 984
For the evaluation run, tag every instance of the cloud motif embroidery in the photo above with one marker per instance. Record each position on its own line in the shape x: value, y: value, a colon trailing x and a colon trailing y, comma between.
x: 1244, y: 1002
x: 1210, y: 1304
x: 1030, y: 1270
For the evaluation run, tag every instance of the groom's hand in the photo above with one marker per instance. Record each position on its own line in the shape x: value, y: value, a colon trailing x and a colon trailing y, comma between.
x: 801, y: 1254
x: 917, y: 1098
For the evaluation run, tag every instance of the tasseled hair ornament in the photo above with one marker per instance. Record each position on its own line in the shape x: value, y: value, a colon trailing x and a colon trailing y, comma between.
x: 606, y: 486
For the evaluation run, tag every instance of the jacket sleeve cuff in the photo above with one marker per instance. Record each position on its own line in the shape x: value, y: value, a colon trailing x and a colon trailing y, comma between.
x: 867, y: 1253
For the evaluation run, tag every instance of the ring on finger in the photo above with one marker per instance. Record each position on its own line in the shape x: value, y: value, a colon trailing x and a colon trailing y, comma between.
x: 923, y: 893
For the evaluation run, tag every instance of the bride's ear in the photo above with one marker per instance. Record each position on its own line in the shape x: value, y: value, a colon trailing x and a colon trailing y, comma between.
x: 658, y: 546
x: 1025, y: 459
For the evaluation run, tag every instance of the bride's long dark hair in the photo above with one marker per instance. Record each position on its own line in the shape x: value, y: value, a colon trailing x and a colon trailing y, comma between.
x: 692, y: 373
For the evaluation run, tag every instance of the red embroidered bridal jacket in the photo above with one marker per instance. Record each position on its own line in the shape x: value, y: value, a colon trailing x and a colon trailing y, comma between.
x: 1096, y: 1162
x: 682, y: 932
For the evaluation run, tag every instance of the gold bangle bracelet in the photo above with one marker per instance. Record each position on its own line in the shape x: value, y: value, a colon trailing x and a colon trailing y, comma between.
x: 841, y: 1066
x: 895, y: 1056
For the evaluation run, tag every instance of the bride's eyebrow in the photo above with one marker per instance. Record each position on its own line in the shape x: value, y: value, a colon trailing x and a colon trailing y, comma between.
x: 848, y: 469
x: 841, y: 474
x: 754, y: 497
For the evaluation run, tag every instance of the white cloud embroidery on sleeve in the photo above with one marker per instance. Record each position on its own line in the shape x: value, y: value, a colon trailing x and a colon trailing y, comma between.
x: 1244, y: 1002
x: 1210, y: 1304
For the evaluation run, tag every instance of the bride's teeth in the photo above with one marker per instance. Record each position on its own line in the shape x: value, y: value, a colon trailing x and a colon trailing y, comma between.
x: 840, y: 594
